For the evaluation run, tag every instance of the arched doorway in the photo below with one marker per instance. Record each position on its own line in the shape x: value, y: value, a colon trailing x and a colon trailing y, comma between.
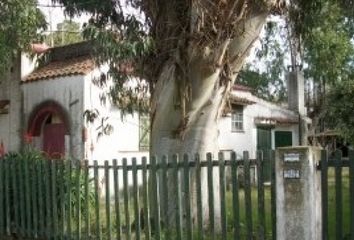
x: 49, y: 125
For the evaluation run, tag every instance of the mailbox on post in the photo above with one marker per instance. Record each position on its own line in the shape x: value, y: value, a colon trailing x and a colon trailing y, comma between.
x: 292, y: 165
x: 298, y: 193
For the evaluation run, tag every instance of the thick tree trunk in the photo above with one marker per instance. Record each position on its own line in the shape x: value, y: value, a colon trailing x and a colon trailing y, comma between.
x: 194, y: 128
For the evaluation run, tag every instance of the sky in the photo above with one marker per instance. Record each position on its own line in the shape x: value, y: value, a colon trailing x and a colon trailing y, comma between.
x: 55, y: 15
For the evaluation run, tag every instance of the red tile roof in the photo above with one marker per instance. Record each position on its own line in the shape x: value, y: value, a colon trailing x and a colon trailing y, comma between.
x: 74, y: 66
x: 39, y: 48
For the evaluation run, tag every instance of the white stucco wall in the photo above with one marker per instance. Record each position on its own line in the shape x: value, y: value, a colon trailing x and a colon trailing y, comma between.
x: 123, y: 142
x: 247, y: 140
x: 28, y: 64
x: 68, y: 92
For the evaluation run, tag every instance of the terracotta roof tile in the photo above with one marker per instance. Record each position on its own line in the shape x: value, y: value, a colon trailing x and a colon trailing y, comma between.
x: 73, y: 66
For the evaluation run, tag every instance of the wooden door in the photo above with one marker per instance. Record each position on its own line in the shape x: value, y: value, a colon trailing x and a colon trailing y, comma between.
x: 264, y: 144
x: 54, y: 139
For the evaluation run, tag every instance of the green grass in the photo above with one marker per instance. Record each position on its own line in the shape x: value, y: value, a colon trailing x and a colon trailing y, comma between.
x: 254, y: 212
x: 332, y: 203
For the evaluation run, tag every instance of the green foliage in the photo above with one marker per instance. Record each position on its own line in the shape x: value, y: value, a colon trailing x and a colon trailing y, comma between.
x: 339, y: 108
x: 66, y: 182
x: 327, y: 36
x: 265, y: 86
x: 265, y: 73
x: 20, y: 21
x: 328, y: 46
x: 68, y: 32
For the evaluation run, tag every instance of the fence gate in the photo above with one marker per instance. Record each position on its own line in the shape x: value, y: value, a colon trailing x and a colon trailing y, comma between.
x: 337, y: 177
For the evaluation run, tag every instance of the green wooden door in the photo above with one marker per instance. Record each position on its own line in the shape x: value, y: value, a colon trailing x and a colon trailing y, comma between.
x: 264, y: 144
x: 283, y: 139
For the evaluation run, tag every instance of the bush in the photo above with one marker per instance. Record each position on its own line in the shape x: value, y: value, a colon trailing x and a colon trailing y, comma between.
x: 48, y: 189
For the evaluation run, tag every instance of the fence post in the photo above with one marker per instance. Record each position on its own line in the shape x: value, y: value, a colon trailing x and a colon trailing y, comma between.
x: 338, y: 194
x: 298, y: 193
x: 187, y: 199
x: 324, y: 192
x: 351, y: 190
x: 2, y: 222
x: 211, y: 196
x: 155, y: 198
x: 146, y: 200
x: 116, y: 200
x: 126, y: 199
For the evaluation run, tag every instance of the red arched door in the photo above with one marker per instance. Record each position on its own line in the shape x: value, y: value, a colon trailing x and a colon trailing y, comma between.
x: 49, y: 125
x: 53, y: 137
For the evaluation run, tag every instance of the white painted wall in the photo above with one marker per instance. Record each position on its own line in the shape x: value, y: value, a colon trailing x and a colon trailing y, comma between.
x: 247, y: 140
x: 76, y: 94
x: 28, y: 64
x: 124, y: 140
x: 68, y: 92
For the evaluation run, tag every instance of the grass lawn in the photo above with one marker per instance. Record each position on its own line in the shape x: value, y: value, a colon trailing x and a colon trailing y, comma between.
x: 332, y: 204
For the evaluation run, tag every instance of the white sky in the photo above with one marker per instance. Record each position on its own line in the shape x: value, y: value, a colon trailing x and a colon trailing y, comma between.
x: 55, y: 15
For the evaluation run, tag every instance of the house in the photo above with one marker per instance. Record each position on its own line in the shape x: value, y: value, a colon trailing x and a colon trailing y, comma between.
x: 252, y: 123
x: 45, y: 106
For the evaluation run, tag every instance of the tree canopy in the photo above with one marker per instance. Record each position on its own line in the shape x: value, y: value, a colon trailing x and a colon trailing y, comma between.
x: 265, y: 72
x: 326, y: 34
x: 328, y: 60
x: 324, y: 43
x: 20, y: 25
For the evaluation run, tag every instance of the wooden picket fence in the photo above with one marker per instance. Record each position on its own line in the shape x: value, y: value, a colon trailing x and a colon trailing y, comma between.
x: 337, y: 163
x: 53, y: 199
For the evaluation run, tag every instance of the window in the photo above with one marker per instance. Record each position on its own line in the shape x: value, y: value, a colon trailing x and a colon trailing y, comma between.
x: 283, y: 138
x: 237, y: 118
x: 144, y: 132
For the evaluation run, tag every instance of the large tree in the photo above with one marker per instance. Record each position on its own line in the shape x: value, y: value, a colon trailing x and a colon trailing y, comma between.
x: 190, y: 52
x: 20, y: 23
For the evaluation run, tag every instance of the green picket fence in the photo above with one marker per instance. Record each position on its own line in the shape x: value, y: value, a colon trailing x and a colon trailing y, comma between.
x: 337, y: 177
x: 53, y: 199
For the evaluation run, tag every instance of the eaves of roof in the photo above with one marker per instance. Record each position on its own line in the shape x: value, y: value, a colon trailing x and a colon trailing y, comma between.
x: 74, y: 66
